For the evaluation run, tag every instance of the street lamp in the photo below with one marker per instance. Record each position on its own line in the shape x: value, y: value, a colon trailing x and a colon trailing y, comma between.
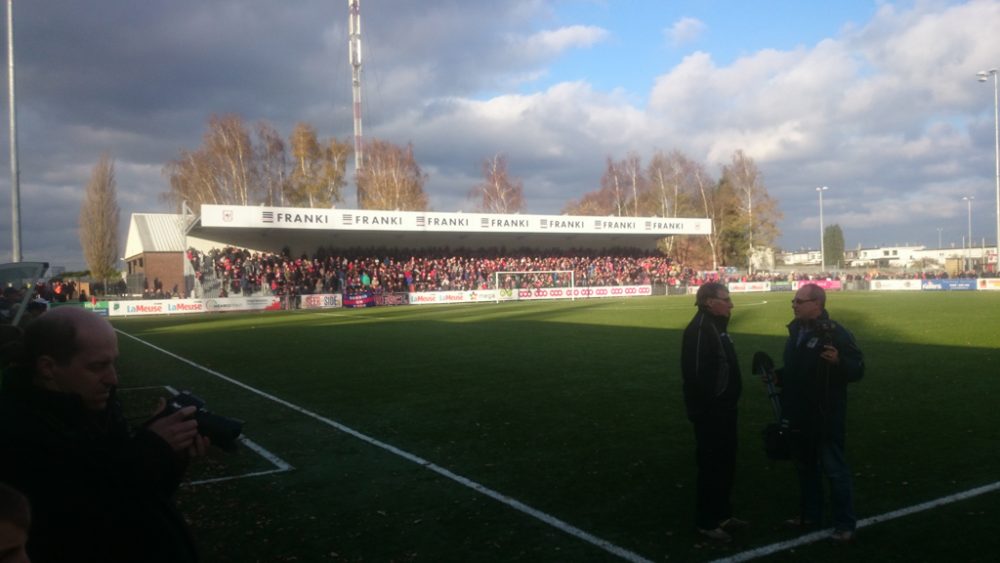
x: 983, y: 75
x: 822, y: 243
x: 939, y: 238
x: 968, y: 247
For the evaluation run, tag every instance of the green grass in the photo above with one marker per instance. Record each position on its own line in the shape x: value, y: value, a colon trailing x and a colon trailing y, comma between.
x: 575, y: 409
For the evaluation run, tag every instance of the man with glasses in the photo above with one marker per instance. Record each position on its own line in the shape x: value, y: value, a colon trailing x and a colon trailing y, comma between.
x: 820, y: 359
x: 712, y: 388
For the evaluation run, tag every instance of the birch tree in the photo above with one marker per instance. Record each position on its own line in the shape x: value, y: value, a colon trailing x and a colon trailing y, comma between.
x: 672, y: 187
x: 225, y: 170
x: 391, y: 179
x: 758, y: 211
x: 272, y: 165
x: 597, y: 203
x: 499, y: 192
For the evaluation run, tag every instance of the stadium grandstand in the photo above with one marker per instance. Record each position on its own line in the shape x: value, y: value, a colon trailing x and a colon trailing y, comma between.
x: 253, y: 251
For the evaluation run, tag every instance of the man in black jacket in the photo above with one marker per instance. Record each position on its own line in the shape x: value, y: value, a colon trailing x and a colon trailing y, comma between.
x: 99, y: 492
x: 712, y: 386
x: 821, y: 357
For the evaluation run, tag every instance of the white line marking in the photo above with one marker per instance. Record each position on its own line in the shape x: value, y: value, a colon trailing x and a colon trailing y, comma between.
x: 234, y: 477
x: 280, y: 465
x: 816, y: 536
x: 275, y: 460
x: 482, y: 489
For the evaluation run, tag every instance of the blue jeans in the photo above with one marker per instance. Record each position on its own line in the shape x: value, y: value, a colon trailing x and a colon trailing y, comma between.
x: 826, y: 458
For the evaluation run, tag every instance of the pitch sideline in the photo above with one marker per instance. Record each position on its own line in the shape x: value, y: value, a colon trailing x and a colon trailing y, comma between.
x: 479, y: 488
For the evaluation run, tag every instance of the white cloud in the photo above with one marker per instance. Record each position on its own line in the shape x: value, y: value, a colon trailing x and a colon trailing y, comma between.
x: 552, y: 42
x: 685, y: 30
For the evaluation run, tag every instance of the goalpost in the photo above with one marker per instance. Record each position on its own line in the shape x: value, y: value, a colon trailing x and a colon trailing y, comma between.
x: 508, y: 282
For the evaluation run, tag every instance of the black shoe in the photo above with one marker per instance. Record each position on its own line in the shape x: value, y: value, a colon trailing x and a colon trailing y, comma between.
x: 733, y: 523
x: 718, y: 534
x: 799, y: 523
x: 842, y: 537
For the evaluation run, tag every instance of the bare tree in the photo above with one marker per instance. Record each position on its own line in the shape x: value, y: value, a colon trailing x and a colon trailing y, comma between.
x: 713, y: 203
x: 614, y: 183
x: 225, y: 169
x: 391, y: 178
x: 499, y: 192
x: 758, y: 213
x: 631, y: 167
x: 668, y: 175
x: 229, y: 144
x: 306, y: 183
x: 335, y: 156
x: 673, y: 185
x: 273, y: 166
x: 612, y: 198
x: 99, y: 215
x: 673, y: 188
x: 595, y: 203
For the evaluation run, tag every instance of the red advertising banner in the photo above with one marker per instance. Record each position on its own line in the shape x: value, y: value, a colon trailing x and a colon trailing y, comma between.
x: 829, y: 285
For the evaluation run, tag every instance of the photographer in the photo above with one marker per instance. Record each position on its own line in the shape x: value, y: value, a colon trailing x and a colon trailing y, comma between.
x: 820, y: 359
x: 99, y: 491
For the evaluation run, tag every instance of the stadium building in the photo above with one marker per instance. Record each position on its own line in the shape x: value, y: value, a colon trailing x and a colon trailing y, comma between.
x: 156, y: 244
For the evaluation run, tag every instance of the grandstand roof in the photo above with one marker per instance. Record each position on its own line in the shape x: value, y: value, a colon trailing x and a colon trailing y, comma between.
x: 155, y: 232
x: 305, y: 230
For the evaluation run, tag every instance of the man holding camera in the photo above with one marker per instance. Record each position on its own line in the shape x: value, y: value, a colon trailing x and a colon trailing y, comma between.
x: 712, y: 387
x: 99, y: 491
x: 820, y: 359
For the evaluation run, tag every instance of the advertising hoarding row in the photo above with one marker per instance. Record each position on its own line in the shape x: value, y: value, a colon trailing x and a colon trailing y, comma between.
x: 368, y: 299
x: 144, y: 307
x: 495, y: 295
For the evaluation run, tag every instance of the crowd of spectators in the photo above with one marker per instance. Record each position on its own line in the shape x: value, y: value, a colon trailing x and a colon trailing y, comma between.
x: 244, y: 272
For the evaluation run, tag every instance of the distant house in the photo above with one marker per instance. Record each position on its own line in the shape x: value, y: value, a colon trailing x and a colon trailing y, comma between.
x: 900, y: 256
x: 800, y: 258
x: 155, y: 254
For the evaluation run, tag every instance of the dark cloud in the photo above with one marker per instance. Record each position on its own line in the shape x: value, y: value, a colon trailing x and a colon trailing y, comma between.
x: 892, y: 121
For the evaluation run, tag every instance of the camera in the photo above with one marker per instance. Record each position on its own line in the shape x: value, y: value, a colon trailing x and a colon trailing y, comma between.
x: 221, y: 430
x: 825, y: 329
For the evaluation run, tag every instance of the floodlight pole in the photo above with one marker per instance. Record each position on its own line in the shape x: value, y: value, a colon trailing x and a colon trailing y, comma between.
x: 968, y: 243
x: 983, y: 75
x: 822, y: 243
x: 15, y: 173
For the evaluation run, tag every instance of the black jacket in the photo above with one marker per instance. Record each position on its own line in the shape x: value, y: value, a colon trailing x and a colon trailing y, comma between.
x: 99, y: 493
x: 711, y: 371
x: 814, y: 393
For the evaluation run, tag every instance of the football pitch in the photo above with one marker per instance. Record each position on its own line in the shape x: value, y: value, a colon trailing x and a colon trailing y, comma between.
x: 555, y: 431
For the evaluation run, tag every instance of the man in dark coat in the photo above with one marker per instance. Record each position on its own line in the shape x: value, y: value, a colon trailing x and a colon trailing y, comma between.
x: 820, y: 359
x: 99, y: 492
x: 712, y: 386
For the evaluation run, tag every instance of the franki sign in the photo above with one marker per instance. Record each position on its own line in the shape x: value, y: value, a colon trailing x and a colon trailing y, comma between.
x: 355, y: 220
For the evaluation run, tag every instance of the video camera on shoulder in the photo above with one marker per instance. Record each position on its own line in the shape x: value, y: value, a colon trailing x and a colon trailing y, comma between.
x: 221, y: 430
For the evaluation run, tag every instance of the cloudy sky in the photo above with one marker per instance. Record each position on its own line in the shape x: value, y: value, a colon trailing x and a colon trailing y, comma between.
x: 876, y: 99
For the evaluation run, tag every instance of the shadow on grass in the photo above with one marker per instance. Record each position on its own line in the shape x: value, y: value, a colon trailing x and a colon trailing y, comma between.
x: 583, y: 421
